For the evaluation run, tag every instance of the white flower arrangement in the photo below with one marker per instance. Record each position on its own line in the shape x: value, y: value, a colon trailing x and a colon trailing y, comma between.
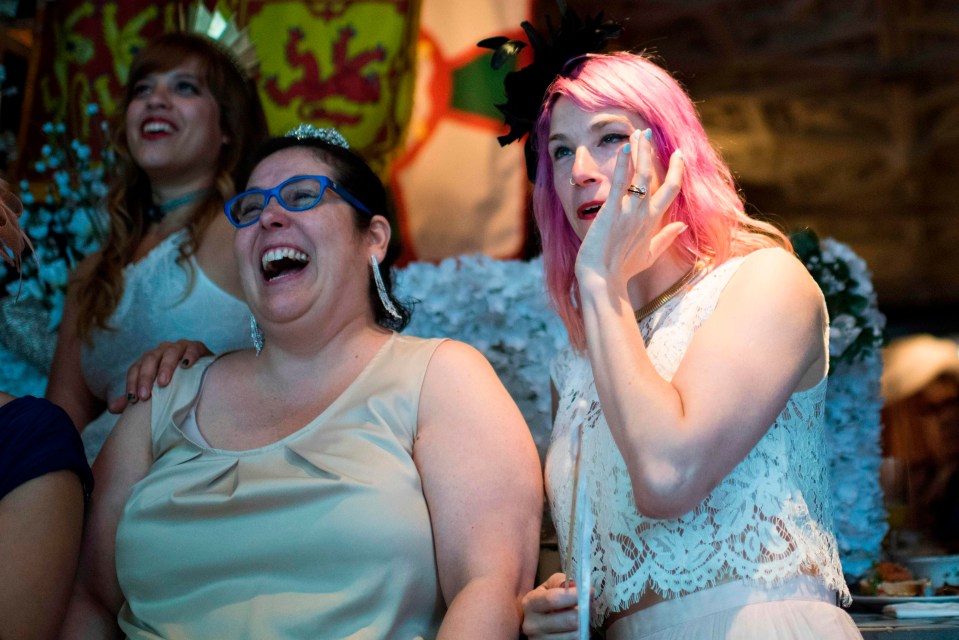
x: 65, y: 222
x: 63, y: 218
x: 853, y: 402
x: 855, y: 323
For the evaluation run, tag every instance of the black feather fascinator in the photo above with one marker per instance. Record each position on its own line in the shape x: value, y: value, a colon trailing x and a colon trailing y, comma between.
x: 526, y: 87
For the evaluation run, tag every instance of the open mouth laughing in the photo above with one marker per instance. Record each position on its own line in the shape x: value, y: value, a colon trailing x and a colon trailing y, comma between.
x: 279, y: 262
x: 154, y: 128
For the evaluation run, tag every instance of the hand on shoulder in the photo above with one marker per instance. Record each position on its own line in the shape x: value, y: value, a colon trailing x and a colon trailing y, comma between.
x: 157, y: 366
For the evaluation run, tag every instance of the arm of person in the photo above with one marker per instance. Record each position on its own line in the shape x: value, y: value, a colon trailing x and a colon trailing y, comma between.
x: 549, y: 610
x: 125, y: 460
x: 40, y: 524
x: 481, y: 478
x: 66, y: 386
x: 681, y: 437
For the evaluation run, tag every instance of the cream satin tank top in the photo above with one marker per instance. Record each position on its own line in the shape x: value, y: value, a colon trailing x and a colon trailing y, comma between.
x: 323, y: 534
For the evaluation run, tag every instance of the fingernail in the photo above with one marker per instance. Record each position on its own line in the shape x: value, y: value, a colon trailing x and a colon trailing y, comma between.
x: 678, y: 153
x: 626, y: 148
x: 648, y: 133
x: 131, y: 397
x: 162, y: 379
x: 185, y: 362
x: 683, y: 230
x: 144, y: 392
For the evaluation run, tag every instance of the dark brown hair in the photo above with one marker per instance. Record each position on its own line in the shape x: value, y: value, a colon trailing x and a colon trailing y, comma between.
x: 356, y: 176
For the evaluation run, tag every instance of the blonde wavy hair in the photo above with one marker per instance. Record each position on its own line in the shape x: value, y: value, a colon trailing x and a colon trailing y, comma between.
x: 242, y: 120
x: 13, y: 241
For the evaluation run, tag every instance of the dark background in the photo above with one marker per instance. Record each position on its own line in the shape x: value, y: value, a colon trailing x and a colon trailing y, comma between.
x: 838, y: 116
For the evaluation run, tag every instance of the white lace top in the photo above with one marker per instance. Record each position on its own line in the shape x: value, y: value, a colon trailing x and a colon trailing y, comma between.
x: 770, y: 519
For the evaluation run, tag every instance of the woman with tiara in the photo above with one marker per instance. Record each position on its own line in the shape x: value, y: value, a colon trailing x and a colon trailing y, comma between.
x: 190, y: 117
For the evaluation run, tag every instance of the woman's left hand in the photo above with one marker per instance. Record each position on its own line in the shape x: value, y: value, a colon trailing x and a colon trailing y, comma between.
x: 157, y: 365
x: 549, y: 610
x: 625, y: 237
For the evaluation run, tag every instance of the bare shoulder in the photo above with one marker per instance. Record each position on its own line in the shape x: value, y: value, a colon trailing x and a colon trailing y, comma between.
x: 453, y: 359
x: 127, y: 452
x: 457, y: 372
x: 774, y: 296
x: 777, y: 279
x: 462, y: 387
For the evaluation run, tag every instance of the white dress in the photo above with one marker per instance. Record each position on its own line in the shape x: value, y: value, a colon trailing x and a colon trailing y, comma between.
x: 158, y: 305
x: 766, y: 526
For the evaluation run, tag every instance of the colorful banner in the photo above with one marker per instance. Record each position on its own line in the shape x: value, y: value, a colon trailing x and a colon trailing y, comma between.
x: 86, y: 51
x: 456, y: 189
x: 339, y: 63
x: 346, y: 64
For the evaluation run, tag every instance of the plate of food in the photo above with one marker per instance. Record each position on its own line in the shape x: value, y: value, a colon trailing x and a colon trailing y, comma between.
x: 881, y: 601
x: 894, y: 583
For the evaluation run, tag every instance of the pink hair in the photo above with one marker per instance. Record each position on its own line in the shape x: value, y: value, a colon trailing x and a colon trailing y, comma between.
x: 708, y: 202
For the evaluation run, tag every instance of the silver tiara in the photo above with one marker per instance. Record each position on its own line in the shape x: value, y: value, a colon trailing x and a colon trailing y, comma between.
x: 307, y: 130
x: 229, y: 38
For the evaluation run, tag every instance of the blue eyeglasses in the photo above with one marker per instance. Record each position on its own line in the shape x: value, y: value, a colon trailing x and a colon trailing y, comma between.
x: 299, y: 193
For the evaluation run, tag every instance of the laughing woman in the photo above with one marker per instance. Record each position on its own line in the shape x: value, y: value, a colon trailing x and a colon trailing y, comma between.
x: 190, y: 120
x: 340, y: 480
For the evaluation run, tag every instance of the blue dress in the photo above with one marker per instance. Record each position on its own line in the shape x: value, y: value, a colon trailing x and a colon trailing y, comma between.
x: 36, y: 438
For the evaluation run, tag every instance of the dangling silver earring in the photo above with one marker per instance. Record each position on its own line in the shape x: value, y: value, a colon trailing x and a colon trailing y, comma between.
x: 256, y: 334
x: 381, y: 290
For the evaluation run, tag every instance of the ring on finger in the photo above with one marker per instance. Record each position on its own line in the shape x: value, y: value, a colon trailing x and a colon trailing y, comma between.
x: 633, y: 190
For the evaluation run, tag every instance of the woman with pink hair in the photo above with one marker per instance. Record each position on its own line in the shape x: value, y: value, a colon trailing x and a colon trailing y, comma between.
x: 690, y: 402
